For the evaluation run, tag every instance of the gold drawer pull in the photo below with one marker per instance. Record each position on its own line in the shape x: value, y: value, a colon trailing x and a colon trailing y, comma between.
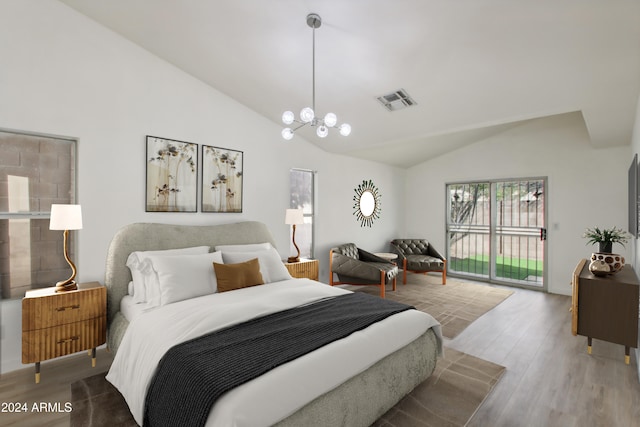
x: 76, y: 338
x: 69, y: 307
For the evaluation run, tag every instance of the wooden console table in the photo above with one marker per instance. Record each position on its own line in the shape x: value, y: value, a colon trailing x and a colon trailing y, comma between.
x: 605, y: 307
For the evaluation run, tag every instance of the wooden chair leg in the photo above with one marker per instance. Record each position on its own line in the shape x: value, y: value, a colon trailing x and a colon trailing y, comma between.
x: 331, y: 267
x: 404, y: 271
x: 394, y: 283
x: 382, y: 284
x: 444, y: 273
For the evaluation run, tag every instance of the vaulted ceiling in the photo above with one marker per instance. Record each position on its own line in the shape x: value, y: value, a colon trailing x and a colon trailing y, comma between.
x: 474, y: 67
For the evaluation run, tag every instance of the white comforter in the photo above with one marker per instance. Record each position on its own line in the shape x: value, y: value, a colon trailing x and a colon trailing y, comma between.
x: 279, y: 393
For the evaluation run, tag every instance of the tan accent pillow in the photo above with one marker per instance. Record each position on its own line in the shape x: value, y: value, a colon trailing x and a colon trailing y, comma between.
x: 237, y: 276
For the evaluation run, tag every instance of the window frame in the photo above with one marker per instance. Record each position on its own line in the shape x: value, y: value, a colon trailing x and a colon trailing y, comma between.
x: 44, y: 275
x: 313, y: 201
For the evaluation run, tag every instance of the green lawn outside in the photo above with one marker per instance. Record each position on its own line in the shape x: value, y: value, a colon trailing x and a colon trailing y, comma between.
x: 510, y: 268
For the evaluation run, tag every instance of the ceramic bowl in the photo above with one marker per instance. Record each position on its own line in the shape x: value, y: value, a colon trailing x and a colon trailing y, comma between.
x: 614, y: 261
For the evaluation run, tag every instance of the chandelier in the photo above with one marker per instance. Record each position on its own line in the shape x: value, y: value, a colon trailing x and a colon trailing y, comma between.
x: 308, y: 114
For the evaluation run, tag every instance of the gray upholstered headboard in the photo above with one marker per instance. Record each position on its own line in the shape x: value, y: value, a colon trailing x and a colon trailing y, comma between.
x: 152, y: 237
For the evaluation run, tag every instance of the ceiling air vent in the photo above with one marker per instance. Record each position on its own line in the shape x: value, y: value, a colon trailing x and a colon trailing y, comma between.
x: 396, y: 100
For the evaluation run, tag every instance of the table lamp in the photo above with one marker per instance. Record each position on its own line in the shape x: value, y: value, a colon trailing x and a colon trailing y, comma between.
x: 294, y: 217
x: 66, y: 217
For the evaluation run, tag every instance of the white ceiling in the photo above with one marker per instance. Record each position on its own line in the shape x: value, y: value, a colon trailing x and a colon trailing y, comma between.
x: 475, y: 67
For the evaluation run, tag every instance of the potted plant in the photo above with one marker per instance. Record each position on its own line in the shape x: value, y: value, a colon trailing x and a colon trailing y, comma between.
x: 605, y: 237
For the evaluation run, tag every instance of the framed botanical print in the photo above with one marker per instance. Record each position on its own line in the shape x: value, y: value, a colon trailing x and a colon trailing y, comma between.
x: 222, y: 177
x: 172, y: 169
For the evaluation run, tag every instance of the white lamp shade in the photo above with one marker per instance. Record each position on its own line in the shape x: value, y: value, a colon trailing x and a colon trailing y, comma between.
x: 287, y: 117
x: 330, y: 120
x: 322, y: 131
x: 287, y: 133
x: 345, y: 129
x: 294, y: 216
x: 65, y: 217
x: 307, y: 115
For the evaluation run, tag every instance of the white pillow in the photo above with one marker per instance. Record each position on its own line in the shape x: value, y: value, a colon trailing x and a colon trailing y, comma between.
x: 251, y: 247
x: 182, y: 277
x: 271, y: 266
x: 141, y: 271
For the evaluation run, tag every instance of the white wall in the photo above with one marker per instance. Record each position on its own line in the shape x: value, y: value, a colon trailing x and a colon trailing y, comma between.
x: 586, y: 186
x: 63, y: 74
x: 635, y: 149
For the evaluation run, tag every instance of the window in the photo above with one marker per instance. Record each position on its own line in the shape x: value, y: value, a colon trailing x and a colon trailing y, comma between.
x: 302, y: 185
x: 35, y: 172
x: 496, y: 230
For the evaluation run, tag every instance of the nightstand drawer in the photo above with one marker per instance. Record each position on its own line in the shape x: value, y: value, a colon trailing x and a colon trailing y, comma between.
x: 43, y: 344
x: 63, y: 308
x: 305, y: 268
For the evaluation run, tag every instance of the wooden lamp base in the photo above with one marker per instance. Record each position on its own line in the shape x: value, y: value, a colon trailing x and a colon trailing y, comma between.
x: 66, y: 286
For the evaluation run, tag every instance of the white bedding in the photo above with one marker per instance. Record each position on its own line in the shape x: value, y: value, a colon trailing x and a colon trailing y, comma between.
x: 279, y: 393
x: 131, y: 309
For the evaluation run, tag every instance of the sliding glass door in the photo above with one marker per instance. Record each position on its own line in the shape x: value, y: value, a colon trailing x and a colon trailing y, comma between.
x: 496, y: 231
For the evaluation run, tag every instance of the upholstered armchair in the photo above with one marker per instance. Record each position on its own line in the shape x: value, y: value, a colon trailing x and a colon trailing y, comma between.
x: 354, y: 266
x: 418, y: 256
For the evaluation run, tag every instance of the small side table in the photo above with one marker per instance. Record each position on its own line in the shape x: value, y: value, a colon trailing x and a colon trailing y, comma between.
x: 606, y: 308
x: 57, y: 324
x: 387, y: 255
x: 304, y: 269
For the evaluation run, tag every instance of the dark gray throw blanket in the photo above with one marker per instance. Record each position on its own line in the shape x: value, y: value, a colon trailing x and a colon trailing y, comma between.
x: 192, y: 375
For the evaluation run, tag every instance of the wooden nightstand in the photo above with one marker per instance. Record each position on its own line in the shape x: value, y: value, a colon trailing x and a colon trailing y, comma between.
x: 57, y: 324
x: 305, y: 268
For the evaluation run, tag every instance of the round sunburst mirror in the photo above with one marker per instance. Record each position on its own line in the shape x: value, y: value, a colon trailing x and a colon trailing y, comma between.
x: 366, y: 205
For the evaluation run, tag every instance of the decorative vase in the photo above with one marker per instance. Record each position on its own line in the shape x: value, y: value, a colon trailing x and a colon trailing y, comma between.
x: 605, y: 247
x: 614, y: 262
x: 599, y: 268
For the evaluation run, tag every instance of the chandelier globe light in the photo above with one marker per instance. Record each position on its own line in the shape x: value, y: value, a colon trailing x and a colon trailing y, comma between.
x: 308, y: 114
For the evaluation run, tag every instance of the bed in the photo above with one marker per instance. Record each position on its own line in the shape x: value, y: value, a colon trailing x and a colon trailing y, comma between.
x: 350, y: 382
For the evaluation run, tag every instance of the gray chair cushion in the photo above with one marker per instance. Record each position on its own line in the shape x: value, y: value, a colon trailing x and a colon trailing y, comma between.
x: 419, y: 254
x: 424, y: 263
x: 412, y: 246
x: 355, y: 265
x: 348, y: 249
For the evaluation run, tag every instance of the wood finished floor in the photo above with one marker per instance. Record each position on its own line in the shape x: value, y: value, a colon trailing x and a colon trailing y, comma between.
x: 55, y: 387
x: 550, y: 379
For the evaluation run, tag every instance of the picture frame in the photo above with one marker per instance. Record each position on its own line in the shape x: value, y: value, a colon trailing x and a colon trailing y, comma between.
x: 222, y: 179
x: 171, y: 175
